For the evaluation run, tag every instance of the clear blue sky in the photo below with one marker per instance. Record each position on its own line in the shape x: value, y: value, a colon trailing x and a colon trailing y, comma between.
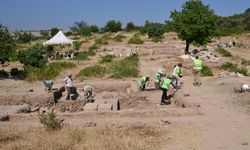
x: 45, y: 14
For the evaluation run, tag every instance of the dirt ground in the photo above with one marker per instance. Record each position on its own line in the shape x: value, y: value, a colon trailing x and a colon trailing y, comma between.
x: 212, y: 116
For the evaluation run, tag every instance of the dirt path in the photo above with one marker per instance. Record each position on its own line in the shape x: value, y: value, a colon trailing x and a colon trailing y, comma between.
x: 222, y: 127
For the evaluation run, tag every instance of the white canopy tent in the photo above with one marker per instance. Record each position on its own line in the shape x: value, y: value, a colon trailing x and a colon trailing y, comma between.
x: 59, y: 38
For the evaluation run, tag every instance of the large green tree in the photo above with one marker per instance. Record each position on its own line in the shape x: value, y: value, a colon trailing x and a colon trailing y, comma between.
x: 53, y: 31
x: 81, y: 28
x: 195, y: 23
x: 113, y: 26
x: 6, y: 45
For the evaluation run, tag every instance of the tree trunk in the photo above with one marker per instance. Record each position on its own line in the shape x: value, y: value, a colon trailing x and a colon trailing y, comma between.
x: 187, y: 47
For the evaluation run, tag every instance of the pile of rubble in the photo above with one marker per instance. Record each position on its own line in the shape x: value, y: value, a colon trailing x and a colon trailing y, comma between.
x: 118, y: 51
x: 226, y: 74
x: 204, y: 55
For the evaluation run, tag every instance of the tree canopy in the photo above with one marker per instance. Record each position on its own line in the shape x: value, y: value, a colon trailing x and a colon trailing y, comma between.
x: 81, y: 28
x: 6, y: 45
x: 113, y: 26
x: 34, y: 56
x: 195, y: 23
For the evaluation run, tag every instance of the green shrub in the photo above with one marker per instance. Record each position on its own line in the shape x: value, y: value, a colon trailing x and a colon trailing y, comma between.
x: 156, y: 30
x: 93, y: 47
x: 107, y: 58
x: 77, y: 135
x: 127, y: 67
x: 33, y: 56
x: 135, y: 40
x: 119, y: 38
x: 78, y: 44
x: 93, y: 71
x: 245, y: 62
x: 50, y: 121
x: 113, y: 26
x: 206, y: 71
x: 234, y: 68
x: 3, y: 74
x: 224, y: 52
x: 101, y: 41
x: 156, y: 39
x: 130, y: 27
x: 47, y: 72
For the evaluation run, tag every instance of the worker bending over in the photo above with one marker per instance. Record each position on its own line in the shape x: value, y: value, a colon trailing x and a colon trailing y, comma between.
x: 165, y: 85
x: 143, y: 82
x: 177, y: 74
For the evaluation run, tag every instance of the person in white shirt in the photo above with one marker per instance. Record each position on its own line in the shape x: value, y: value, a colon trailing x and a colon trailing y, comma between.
x: 69, y: 85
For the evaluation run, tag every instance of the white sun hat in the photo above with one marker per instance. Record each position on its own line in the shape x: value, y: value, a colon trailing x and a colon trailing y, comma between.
x: 159, y: 71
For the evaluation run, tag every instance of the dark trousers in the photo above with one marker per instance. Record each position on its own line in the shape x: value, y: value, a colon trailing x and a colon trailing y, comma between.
x: 164, y: 95
x: 69, y: 89
x: 143, y: 87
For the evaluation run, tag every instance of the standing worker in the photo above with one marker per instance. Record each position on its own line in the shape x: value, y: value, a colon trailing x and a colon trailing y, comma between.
x: 177, y: 74
x: 165, y: 85
x: 69, y: 85
x: 158, y: 78
x: 197, y: 71
x: 143, y: 82
x: 88, y: 92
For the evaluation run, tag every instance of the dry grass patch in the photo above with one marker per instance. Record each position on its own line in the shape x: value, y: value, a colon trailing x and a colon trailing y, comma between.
x: 122, y: 138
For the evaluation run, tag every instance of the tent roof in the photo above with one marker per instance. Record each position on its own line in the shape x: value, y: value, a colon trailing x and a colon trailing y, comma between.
x: 59, y: 38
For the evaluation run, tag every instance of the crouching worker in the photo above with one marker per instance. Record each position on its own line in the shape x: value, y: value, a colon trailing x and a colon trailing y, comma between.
x: 165, y: 85
x: 48, y: 84
x: 88, y: 94
x: 158, y: 78
x: 143, y: 82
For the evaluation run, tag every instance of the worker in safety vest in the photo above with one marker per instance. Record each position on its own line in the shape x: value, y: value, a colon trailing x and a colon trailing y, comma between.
x: 143, y: 82
x: 197, y: 71
x: 88, y: 93
x: 165, y: 85
x: 177, y: 74
x: 158, y: 78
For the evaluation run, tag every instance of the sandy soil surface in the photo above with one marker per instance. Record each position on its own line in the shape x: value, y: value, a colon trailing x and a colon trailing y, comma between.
x: 212, y: 116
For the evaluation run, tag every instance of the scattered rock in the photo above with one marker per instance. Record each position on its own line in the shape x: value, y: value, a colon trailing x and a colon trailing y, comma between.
x: 23, y: 109
x: 4, y: 117
x: 226, y: 74
x: 184, y: 57
x: 186, y: 94
x: 43, y: 110
x: 91, y: 124
x: 245, y: 88
x: 204, y: 55
x: 166, y: 122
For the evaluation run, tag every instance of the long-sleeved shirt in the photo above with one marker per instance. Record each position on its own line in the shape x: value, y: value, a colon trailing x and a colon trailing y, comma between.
x: 68, y: 81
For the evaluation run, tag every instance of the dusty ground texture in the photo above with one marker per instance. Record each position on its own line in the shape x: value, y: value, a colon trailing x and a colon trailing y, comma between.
x: 212, y: 116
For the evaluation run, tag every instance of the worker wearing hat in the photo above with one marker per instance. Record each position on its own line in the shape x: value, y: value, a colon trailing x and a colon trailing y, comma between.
x: 165, y: 85
x: 157, y: 79
x: 69, y: 85
x: 88, y: 93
